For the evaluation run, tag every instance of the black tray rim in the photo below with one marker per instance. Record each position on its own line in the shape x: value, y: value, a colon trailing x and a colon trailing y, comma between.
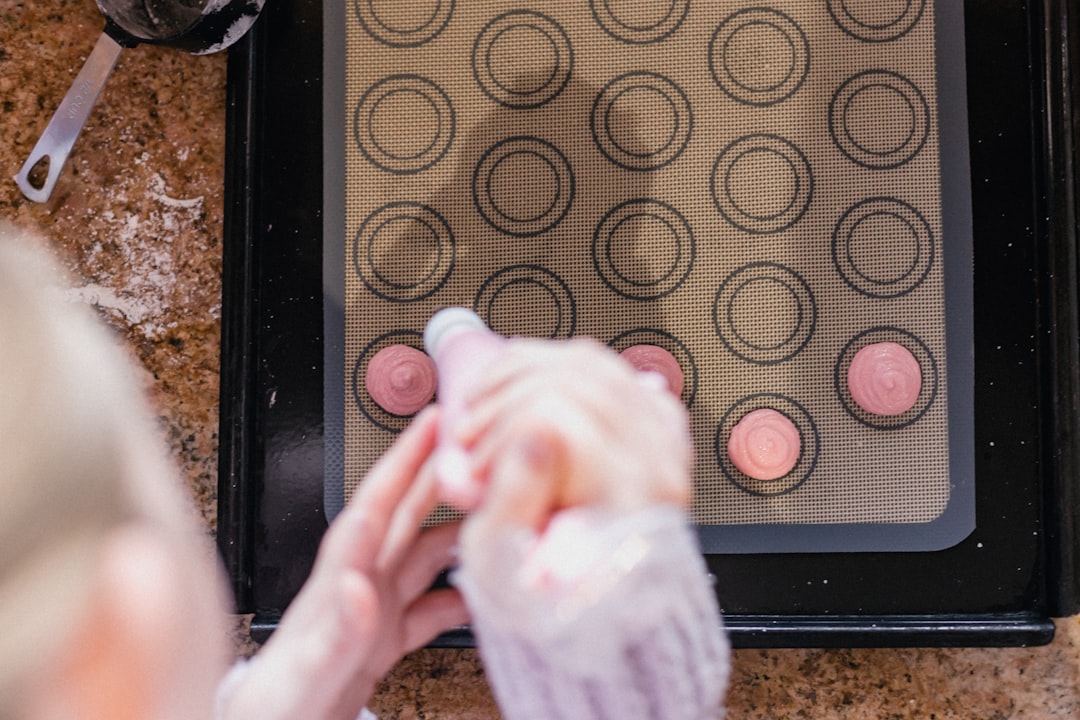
x: 242, y: 464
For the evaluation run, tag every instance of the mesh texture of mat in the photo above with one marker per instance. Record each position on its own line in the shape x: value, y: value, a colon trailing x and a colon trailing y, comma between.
x: 754, y: 188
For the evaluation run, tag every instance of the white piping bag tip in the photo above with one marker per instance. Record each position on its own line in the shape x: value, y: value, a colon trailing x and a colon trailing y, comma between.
x: 448, y: 322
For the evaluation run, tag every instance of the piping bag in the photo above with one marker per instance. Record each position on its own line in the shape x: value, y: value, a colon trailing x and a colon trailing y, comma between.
x: 464, y: 350
x: 604, y: 612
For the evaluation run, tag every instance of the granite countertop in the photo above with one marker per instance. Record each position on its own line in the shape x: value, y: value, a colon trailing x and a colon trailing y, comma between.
x: 137, y: 220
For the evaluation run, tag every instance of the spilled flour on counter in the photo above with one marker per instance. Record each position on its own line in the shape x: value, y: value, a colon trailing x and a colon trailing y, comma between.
x: 133, y: 273
x: 132, y: 310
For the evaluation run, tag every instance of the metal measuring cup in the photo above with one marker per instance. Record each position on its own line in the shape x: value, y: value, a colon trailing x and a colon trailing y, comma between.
x: 199, y: 27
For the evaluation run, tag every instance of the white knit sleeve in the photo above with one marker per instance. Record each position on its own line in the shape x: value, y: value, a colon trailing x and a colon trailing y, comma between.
x: 604, y: 617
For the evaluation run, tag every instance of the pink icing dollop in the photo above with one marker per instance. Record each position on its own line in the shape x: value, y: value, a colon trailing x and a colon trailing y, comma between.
x: 885, y: 379
x: 652, y: 358
x: 401, y: 379
x: 765, y: 444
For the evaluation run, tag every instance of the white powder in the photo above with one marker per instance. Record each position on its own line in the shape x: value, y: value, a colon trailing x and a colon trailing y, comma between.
x: 132, y: 309
x: 157, y: 184
x: 136, y: 275
x: 232, y: 35
x: 214, y: 5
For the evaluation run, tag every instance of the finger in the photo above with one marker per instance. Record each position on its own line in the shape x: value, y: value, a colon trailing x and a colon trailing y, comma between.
x: 391, y: 477
x: 628, y: 443
x: 558, y: 398
x: 524, y: 354
x: 408, y: 516
x: 534, y: 402
x: 434, y: 551
x: 515, y: 353
x: 530, y: 363
x: 432, y: 614
x: 589, y: 376
x: 618, y: 467
x: 356, y: 536
x: 527, y: 480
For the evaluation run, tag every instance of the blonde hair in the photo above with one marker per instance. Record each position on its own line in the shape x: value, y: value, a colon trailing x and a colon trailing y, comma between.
x: 75, y: 437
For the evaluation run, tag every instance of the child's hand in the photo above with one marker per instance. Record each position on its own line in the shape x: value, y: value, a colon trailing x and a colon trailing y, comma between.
x: 366, y: 603
x: 568, y: 424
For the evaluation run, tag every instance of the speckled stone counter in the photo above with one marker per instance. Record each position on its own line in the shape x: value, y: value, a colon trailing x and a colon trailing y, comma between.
x: 137, y: 220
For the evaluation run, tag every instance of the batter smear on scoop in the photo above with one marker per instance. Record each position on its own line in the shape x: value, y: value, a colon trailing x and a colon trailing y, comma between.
x: 765, y: 445
x: 885, y: 379
x: 401, y: 379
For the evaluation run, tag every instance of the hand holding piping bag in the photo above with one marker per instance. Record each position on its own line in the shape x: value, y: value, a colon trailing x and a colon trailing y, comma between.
x: 464, y: 351
x: 588, y: 593
x: 544, y: 425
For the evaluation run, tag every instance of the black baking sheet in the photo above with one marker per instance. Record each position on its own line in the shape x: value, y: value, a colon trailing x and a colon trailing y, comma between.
x: 997, y: 586
x: 865, y: 108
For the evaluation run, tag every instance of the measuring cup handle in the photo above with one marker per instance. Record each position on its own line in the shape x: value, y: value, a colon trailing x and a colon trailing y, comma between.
x: 66, y: 124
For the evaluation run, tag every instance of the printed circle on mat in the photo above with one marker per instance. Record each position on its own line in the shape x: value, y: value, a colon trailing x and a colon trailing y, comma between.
x: 639, y: 23
x: 404, y: 24
x: 879, y: 119
x: 927, y: 365
x: 808, y: 436
x: 762, y: 183
x: 876, y: 20
x: 759, y: 56
x: 367, y: 405
x: 883, y: 247
x: 643, y: 249
x: 522, y: 59
x: 667, y: 341
x: 404, y: 124
x: 527, y: 300
x: 641, y: 145
x: 765, y: 313
x: 523, y: 186
x: 404, y: 251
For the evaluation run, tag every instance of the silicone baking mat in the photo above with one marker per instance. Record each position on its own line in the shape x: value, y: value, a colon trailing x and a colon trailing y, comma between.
x: 760, y: 189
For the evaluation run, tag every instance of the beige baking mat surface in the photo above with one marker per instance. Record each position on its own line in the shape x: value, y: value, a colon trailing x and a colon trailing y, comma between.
x: 754, y: 188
